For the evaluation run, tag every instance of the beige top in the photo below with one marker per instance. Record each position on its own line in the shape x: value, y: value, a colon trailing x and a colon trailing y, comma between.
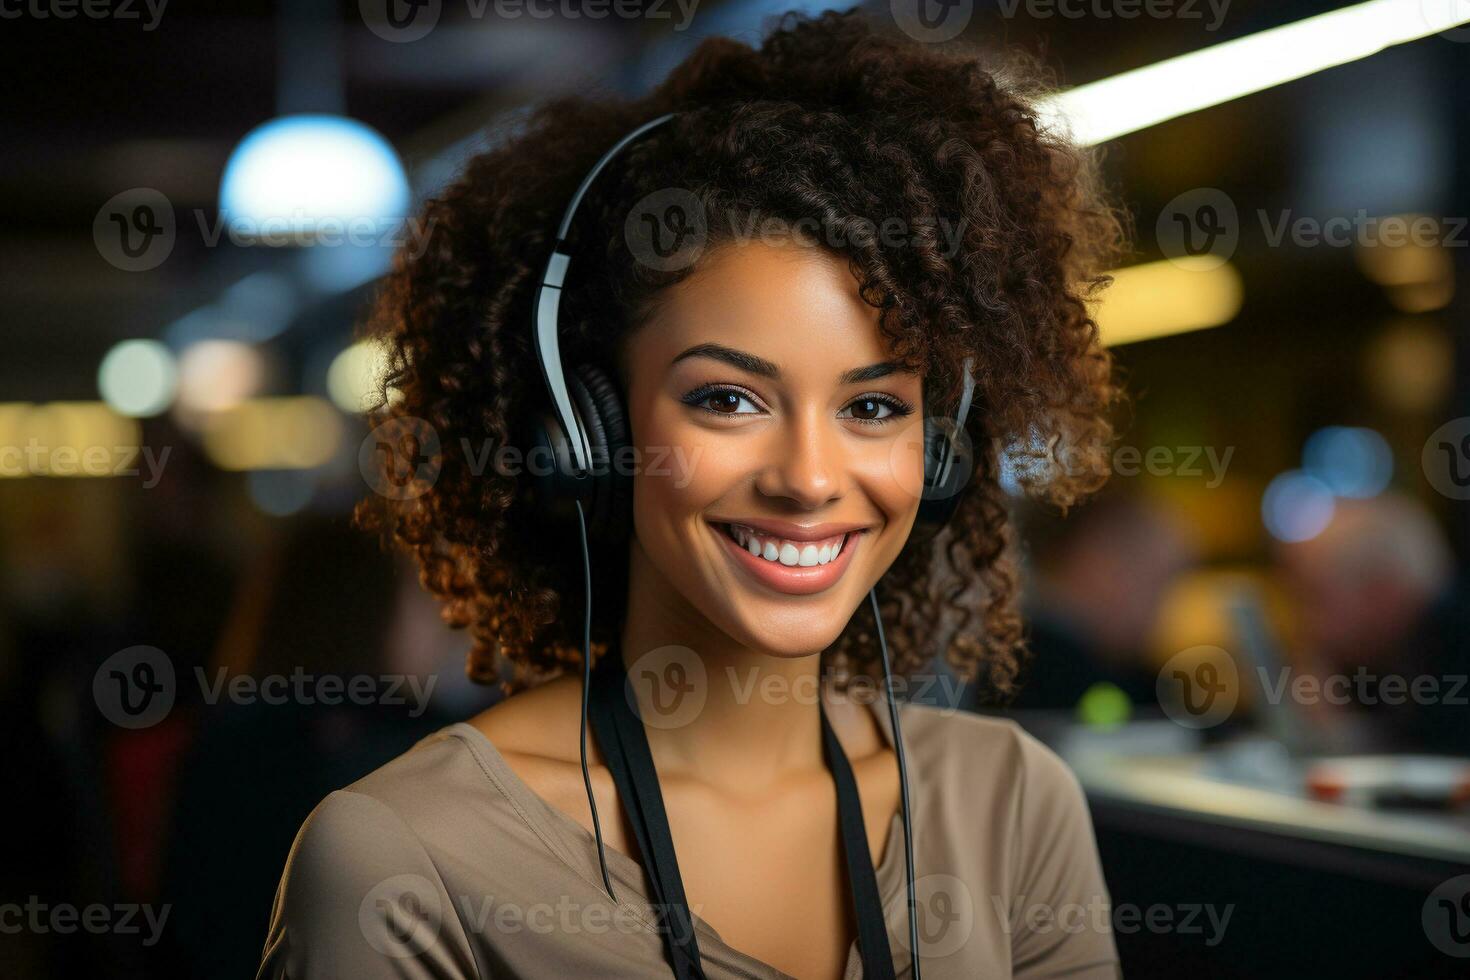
x: 444, y: 863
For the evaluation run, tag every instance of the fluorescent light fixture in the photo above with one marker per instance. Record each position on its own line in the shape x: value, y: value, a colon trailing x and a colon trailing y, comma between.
x: 1144, y: 97
x: 1172, y: 296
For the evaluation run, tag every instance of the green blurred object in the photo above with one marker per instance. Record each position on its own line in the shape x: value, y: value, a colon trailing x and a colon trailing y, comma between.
x: 1104, y: 705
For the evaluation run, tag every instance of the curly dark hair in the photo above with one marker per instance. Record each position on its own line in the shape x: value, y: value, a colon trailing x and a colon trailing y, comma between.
x: 829, y: 121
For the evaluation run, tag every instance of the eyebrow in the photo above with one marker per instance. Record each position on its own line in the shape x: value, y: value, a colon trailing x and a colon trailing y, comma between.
x: 767, y: 369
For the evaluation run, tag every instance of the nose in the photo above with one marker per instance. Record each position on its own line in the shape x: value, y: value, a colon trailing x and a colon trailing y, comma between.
x: 807, y: 462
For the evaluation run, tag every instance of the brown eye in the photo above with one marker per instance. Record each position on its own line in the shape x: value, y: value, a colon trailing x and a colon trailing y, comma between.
x: 724, y: 402
x: 874, y: 410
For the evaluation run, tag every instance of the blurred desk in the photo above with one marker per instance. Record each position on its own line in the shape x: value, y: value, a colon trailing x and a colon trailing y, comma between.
x: 1312, y: 889
x: 1178, y: 796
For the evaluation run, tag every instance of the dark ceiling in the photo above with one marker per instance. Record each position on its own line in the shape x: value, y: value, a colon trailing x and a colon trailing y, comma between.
x: 102, y: 105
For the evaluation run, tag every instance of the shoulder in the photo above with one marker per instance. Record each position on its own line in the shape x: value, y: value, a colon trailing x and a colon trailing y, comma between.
x: 1018, y: 806
x: 993, y: 771
x: 361, y: 893
x: 360, y: 896
x: 989, y: 753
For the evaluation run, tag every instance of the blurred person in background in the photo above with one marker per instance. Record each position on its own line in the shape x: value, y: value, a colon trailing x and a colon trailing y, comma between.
x: 1098, y: 578
x: 1377, y: 599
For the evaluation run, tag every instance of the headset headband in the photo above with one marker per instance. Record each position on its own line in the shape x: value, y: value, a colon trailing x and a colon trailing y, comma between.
x: 547, y: 308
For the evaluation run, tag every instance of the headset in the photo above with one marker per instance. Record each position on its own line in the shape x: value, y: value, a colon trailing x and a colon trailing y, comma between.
x: 586, y: 433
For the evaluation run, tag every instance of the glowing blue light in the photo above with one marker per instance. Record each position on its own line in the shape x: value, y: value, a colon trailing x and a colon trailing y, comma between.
x: 1352, y: 462
x: 336, y: 270
x: 1297, y: 506
x: 281, y: 493
x: 309, y: 174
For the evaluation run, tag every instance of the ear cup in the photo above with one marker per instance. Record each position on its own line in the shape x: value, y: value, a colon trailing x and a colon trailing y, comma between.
x: 608, y: 500
x: 943, y: 486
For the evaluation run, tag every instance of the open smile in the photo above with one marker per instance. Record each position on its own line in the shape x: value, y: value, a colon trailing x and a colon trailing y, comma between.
x: 797, y: 563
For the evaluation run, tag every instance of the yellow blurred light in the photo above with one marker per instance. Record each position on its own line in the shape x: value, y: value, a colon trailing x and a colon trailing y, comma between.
x: 1422, y: 297
x: 1157, y: 299
x: 1403, y: 263
x: 1411, y: 366
x: 1410, y: 263
x: 274, y: 434
x: 354, y: 376
x: 65, y: 439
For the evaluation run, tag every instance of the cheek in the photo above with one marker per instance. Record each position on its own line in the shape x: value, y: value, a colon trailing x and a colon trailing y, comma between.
x: 686, y: 468
x: 892, y: 473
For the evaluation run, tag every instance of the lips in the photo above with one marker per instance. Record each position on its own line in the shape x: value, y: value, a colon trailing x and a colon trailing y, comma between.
x: 801, y: 561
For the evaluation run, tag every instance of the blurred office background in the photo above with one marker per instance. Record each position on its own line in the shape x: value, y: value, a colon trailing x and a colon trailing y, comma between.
x: 1286, y: 514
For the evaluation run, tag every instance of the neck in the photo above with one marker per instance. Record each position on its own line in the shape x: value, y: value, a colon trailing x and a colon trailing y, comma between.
x: 716, y: 710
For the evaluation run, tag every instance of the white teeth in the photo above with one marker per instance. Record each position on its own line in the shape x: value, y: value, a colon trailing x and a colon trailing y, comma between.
x: 790, y: 553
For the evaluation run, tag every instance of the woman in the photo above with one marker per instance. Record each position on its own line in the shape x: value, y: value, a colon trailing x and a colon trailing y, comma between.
x: 780, y: 283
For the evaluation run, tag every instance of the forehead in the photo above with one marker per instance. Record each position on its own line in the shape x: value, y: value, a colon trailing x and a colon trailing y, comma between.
x: 796, y: 305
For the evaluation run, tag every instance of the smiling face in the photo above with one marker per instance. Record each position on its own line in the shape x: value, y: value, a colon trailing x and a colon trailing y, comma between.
x: 791, y: 443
